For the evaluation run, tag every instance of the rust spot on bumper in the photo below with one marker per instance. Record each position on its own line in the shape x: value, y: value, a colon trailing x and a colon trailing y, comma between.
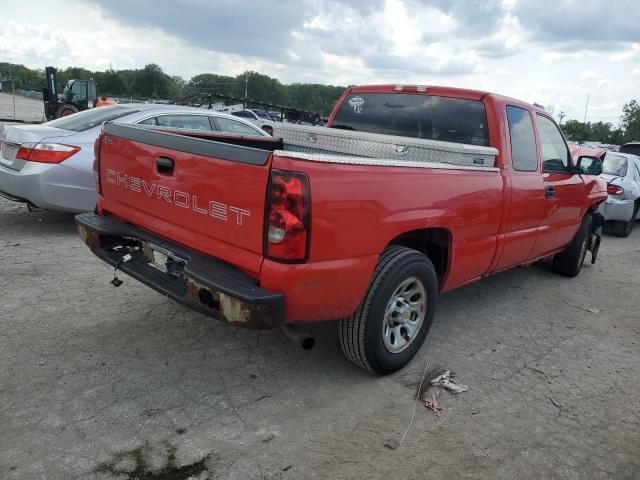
x: 230, y: 309
x: 92, y: 239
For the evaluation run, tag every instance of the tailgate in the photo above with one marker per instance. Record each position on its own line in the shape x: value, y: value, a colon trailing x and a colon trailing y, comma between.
x: 205, y: 195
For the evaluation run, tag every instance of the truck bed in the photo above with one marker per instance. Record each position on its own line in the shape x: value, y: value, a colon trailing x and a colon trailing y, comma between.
x: 359, y: 148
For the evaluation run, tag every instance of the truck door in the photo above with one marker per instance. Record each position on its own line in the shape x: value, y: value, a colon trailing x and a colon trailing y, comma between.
x: 527, y: 205
x: 563, y: 190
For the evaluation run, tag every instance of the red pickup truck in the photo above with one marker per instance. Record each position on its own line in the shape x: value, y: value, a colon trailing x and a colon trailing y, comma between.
x: 412, y: 191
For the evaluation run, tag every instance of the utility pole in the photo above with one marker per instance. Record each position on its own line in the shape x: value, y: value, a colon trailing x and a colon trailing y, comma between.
x: 246, y: 86
x: 561, y: 116
x: 585, y: 109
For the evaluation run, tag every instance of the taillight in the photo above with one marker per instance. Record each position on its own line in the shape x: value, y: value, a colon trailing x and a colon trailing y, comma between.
x: 96, y: 163
x: 288, y: 217
x: 46, y: 152
x: 614, y: 189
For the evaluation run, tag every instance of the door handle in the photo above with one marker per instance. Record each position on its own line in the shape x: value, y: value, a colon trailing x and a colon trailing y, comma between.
x: 164, y: 165
x: 549, y: 192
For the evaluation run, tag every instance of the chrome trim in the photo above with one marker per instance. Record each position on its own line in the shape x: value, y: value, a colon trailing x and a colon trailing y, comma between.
x: 378, y: 162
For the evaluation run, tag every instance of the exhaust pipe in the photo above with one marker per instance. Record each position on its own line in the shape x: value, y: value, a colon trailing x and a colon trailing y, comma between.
x: 299, y: 336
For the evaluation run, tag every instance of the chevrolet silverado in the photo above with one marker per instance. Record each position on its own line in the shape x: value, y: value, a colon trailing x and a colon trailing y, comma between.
x: 410, y: 192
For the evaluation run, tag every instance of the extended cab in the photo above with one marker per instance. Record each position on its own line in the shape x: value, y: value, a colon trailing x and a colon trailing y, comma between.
x: 411, y: 192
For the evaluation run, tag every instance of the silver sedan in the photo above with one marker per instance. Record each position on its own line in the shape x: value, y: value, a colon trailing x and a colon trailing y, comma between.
x: 50, y: 165
x: 621, y: 171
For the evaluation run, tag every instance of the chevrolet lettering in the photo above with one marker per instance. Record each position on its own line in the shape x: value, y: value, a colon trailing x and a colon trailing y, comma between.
x: 218, y: 210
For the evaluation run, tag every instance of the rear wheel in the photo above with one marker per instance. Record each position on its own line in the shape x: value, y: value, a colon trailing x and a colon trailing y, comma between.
x: 569, y: 263
x: 393, y: 319
x: 623, y: 229
x: 66, y: 110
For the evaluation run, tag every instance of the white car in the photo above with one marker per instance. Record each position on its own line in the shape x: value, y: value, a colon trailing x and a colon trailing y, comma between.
x: 50, y: 166
x: 260, y: 118
x: 621, y: 171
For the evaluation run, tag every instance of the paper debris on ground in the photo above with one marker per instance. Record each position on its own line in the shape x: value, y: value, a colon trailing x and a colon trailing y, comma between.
x: 446, y: 380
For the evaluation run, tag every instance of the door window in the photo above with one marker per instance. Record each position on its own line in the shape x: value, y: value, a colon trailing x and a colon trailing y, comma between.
x: 189, y: 122
x: 555, y: 154
x: 149, y: 121
x: 79, y: 90
x: 523, y: 140
x: 231, y: 126
x: 92, y: 91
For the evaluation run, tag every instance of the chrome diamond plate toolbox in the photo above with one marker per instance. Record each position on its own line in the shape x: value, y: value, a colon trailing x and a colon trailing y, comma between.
x: 308, y: 139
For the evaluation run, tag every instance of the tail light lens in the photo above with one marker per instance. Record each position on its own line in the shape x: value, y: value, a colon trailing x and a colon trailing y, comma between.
x: 614, y: 189
x: 46, y: 152
x: 288, y: 217
x: 96, y: 163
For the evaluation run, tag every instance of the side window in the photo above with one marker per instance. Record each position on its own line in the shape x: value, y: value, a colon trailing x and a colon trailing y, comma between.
x: 79, y: 89
x: 523, y: 141
x: 243, y: 114
x: 637, y: 173
x: 149, y: 121
x: 92, y: 91
x: 189, y: 122
x: 231, y: 126
x: 555, y: 155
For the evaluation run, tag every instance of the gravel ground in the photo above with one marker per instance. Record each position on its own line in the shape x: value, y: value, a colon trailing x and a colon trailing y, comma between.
x: 97, y: 382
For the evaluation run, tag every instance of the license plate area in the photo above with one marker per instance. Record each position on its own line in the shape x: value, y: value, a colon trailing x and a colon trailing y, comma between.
x: 8, y: 152
x: 163, y: 259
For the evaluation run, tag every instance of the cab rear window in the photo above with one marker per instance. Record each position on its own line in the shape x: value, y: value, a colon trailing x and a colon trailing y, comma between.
x: 419, y: 116
x: 79, y: 122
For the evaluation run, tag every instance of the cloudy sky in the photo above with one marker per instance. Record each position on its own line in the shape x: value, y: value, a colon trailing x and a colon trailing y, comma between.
x: 553, y: 52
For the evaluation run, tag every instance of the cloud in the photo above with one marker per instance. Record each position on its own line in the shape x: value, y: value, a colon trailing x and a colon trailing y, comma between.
x: 258, y: 29
x: 589, y: 75
x: 631, y: 54
x: 588, y: 24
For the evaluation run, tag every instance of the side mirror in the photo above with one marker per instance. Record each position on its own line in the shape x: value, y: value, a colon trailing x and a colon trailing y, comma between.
x: 588, y: 165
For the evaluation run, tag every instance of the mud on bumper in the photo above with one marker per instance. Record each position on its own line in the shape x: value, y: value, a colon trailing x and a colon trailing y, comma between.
x: 201, y: 283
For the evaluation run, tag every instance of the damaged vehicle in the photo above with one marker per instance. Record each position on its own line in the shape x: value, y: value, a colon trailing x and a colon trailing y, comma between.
x: 621, y: 171
x: 411, y: 192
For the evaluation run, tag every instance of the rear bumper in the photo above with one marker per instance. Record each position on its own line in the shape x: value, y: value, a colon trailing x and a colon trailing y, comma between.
x: 617, y: 210
x: 201, y: 283
x: 49, y: 186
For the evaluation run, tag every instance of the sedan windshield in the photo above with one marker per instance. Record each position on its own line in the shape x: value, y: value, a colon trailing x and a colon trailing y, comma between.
x: 614, y: 165
x: 262, y: 114
x: 79, y: 122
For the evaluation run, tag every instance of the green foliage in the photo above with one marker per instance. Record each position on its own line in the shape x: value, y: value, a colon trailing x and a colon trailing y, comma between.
x: 151, y: 82
x: 25, y: 78
x: 578, y: 131
x: 631, y: 121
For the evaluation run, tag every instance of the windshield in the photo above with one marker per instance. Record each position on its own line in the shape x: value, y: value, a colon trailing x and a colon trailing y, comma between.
x: 262, y: 114
x: 633, y: 148
x: 614, y: 165
x: 79, y: 122
x: 420, y: 116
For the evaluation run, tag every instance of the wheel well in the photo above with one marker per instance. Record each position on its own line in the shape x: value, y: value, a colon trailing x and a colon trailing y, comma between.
x: 435, y: 243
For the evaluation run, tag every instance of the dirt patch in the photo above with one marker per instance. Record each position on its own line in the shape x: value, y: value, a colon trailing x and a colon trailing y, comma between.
x: 141, y: 470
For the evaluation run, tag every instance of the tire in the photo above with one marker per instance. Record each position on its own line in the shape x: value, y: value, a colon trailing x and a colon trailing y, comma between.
x: 366, y: 337
x: 65, y: 110
x: 569, y: 263
x: 623, y: 229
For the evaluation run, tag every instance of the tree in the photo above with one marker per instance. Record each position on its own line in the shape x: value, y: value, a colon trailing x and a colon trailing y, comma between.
x: 152, y: 82
x: 212, y: 83
x: 580, y: 132
x: 631, y: 121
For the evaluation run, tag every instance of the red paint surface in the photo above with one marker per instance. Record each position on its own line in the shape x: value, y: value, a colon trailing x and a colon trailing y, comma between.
x: 496, y: 220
